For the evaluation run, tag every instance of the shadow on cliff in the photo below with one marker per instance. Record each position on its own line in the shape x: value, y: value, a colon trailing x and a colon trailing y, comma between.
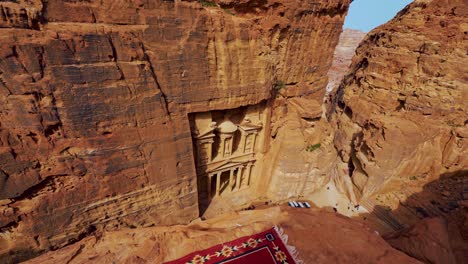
x: 442, y: 198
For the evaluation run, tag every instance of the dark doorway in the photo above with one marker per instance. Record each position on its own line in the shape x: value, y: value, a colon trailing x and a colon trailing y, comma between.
x: 224, y: 181
x: 213, y: 186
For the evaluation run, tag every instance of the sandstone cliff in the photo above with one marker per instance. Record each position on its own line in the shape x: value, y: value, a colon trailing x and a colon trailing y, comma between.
x: 303, y: 156
x: 402, y: 119
x: 344, y: 52
x: 94, y: 98
x: 428, y: 241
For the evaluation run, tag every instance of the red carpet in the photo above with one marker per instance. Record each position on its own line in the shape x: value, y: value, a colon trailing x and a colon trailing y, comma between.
x: 263, y: 248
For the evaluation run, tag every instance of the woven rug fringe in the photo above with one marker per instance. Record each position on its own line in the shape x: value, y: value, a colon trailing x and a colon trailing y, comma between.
x: 292, y: 250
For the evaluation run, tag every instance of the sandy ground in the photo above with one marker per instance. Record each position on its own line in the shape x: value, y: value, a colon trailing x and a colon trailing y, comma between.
x: 330, y: 197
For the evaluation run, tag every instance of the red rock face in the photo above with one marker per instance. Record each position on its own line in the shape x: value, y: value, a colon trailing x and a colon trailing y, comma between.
x: 403, y: 113
x: 94, y: 98
x: 344, y: 52
x: 428, y: 241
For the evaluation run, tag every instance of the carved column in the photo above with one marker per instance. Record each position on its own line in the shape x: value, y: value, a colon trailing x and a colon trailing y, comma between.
x: 231, y: 179
x: 218, y: 181
x: 209, y: 150
x: 248, y: 143
x: 209, y: 185
x: 231, y: 144
x: 238, y: 178
x: 248, y: 171
x: 254, y: 137
x: 244, y: 141
x: 222, y: 145
x: 205, y: 149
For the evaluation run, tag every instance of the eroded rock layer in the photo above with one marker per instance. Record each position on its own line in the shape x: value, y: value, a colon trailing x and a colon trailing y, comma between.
x: 403, y: 118
x: 344, y: 52
x: 95, y: 96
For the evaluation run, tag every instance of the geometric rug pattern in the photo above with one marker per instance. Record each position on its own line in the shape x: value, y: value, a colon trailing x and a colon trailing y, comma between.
x: 263, y: 248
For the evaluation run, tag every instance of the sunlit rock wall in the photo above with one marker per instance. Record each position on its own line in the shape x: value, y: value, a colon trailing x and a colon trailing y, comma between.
x: 94, y: 99
x: 403, y: 117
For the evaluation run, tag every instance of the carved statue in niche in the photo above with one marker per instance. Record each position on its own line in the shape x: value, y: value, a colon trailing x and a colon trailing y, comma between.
x: 226, y: 131
x: 227, y: 150
x: 204, y: 143
x: 248, y: 143
x: 249, y: 134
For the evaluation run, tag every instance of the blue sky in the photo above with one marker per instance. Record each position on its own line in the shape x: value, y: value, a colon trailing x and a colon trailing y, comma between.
x: 365, y: 15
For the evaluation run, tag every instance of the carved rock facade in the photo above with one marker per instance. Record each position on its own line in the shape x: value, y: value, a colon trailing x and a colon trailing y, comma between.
x: 227, y: 146
x: 95, y: 98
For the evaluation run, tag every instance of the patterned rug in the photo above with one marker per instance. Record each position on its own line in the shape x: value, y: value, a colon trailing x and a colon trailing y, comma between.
x: 262, y: 248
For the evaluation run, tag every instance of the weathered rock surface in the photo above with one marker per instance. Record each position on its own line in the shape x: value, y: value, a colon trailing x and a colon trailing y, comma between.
x: 427, y: 241
x: 94, y: 133
x: 302, y: 150
x: 344, y: 52
x: 403, y: 110
x: 402, y: 128
x: 317, y: 236
x: 94, y: 97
